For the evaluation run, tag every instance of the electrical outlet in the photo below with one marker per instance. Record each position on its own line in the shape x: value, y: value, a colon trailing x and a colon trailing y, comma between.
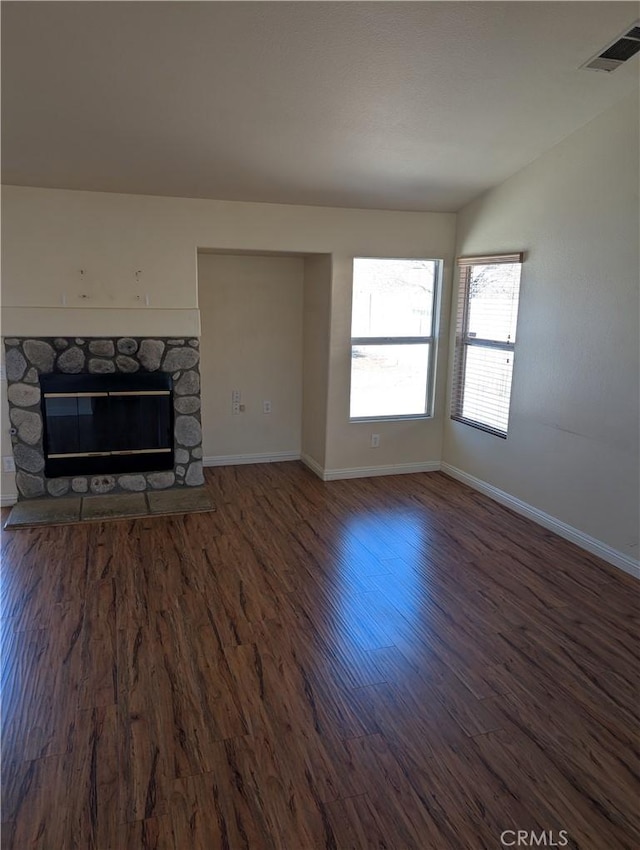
x: 235, y: 396
x: 375, y: 441
x: 235, y: 408
x: 266, y: 407
x: 8, y: 464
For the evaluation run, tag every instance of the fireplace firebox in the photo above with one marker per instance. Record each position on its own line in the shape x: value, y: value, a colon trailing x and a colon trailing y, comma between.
x: 110, y: 424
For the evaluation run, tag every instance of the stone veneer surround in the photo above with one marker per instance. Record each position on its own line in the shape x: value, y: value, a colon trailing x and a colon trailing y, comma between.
x: 28, y: 357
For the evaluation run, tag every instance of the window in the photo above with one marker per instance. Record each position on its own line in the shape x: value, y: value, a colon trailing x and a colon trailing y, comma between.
x: 485, y: 341
x: 393, y: 323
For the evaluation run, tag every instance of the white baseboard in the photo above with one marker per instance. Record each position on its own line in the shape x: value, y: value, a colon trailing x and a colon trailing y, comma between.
x: 313, y: 465
x: 585, y: 541
x: 235, y: 460
x: 8, y: 499
x: 370, y: 471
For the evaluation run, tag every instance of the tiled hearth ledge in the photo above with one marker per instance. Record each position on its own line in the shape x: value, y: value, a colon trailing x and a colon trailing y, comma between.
x: 29, y: 357
x: 29, y: 513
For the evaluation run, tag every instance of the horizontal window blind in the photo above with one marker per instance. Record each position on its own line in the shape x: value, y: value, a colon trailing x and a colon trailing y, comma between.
x: 485, y: 341
x: 493, y: 260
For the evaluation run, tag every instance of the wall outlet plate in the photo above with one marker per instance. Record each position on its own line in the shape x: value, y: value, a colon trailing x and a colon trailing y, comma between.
x: 375, y: 441
x: 8, y: 464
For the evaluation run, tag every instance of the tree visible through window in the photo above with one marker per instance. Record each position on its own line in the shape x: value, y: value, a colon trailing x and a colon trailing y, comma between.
x: 485, y: 341
x: 392, y: 337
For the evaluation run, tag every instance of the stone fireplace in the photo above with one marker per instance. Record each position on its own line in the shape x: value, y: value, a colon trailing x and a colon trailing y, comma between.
x: 28, y: 358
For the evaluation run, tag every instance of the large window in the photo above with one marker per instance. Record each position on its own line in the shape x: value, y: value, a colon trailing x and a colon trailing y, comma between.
x: 393, y: 325
x: 485, y: 341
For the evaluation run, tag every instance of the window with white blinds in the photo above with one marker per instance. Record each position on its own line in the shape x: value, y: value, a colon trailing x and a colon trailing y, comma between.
x: 485, y: 341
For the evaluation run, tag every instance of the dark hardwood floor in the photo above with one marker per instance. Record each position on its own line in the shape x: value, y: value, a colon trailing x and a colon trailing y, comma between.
x: 393, y: 663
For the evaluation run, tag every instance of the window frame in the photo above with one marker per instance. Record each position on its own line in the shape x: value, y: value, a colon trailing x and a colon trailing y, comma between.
x: 430, y: 341
x: 463, y: 342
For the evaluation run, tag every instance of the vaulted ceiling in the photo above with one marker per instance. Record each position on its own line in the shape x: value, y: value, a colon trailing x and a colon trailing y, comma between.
x: 390, y: 105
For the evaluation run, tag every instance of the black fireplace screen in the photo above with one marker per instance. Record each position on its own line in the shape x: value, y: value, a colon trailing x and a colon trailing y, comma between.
x: 107, y: 423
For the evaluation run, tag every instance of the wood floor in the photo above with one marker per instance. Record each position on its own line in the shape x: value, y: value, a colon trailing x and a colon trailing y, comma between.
x: 380, y: 663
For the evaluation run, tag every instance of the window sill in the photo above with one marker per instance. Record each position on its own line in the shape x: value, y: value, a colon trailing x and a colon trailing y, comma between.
x: 410, y: 417
x: 480, y: 427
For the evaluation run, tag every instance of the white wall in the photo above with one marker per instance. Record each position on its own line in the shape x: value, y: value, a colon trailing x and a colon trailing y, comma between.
x: 316, y: 337
x: 572, y: 449
x: 251, y: 319
x: 48, y: 235
x: 84, y: 260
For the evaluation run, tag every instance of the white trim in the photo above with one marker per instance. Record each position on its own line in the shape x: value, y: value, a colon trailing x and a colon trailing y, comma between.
x: 370, y: 471
x: 101, y: 321
x: 8, y: 499
x: 585, y: 541
x: 313, y: 465
x: 236, y: 460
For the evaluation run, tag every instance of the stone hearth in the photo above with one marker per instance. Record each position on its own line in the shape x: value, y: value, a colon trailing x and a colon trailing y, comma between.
x: 29, y: 357
x: 31, y: 513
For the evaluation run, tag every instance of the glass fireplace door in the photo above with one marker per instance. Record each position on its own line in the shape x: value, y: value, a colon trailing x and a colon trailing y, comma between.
x: 107, y: 423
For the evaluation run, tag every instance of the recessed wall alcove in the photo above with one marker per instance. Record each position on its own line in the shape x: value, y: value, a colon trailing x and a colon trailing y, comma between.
x: 265, y: 318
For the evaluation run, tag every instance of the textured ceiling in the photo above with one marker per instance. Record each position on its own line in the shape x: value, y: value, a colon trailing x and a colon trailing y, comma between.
x: 390, y: 105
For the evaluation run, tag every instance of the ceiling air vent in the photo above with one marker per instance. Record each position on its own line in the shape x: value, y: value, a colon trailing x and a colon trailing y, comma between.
x: 618, y: 52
